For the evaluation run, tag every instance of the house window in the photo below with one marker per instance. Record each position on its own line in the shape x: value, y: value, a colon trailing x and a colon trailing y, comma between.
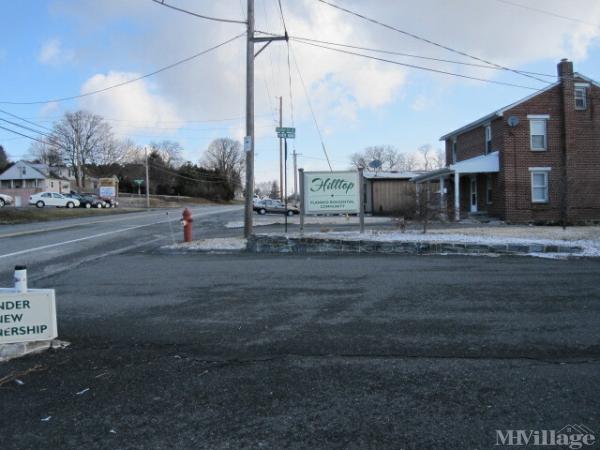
x: 580, y: 97
x: 454, y: 151
x: 23, y: 170
x: 538, y: 132
x: 488, y: 139
x: 488, y: 189
x: 539, y: 184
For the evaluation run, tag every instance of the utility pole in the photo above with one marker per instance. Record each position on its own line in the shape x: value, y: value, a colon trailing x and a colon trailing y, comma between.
x: 147, y: 180
x: 249, y: 139
x: 281, y: 149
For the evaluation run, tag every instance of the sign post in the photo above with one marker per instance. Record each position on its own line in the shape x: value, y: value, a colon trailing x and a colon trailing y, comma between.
x: 361, y: 194
x: 301, y: 176
x: 285, y: 133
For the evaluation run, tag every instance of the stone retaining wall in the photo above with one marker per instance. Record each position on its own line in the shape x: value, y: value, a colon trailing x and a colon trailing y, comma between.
x: 283, y: 244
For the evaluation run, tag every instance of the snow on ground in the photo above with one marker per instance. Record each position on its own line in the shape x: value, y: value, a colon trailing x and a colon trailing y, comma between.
x: 207, y: 245
x: 591, y: 247
x: 261, y: 221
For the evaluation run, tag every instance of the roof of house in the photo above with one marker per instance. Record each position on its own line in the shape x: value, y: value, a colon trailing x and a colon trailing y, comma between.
x: 500, y: 112
x: 479, y: 164
x: 392, y: 175
x: 35, y: 172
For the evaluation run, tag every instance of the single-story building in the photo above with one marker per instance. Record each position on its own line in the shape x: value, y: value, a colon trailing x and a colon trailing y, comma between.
x: 389, y: 192
x: 536, y: 160
x: 23, y: 179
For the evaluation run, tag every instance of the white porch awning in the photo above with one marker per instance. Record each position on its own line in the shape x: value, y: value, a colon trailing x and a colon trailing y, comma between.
x: 480, y: 164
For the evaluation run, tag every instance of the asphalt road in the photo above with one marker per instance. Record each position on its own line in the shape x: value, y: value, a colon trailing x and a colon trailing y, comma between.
x: 49, y: 247
x: 189, y: 351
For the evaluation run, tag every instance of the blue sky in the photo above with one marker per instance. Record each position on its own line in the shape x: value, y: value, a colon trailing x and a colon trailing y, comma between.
x: 60, y: 48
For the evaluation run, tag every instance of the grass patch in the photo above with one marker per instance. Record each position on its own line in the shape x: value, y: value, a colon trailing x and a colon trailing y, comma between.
x: 11, y: 216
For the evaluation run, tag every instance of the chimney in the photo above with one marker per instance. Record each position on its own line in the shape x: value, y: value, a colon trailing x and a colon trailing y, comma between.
x: 565, y: 69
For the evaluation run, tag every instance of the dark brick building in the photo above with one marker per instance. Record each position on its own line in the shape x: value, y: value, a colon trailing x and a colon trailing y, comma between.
x: 537, y: 160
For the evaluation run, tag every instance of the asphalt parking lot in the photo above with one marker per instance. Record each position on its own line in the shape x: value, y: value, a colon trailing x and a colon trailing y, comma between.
x: 246, y: 351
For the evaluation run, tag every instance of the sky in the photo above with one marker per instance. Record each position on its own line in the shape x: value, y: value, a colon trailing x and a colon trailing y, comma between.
x: 61, y: 48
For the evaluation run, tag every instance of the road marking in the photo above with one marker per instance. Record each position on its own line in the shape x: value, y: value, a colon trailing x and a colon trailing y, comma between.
x: 118, y: 218
x: 72, y: 241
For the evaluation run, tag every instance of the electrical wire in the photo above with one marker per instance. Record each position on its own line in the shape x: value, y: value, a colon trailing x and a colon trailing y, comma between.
x: 312, y: 111
x: 24, y: 120
x: 201, y: 16
x: 549, y: 13
x: 410, y: 55
x: 428, y: 41
x: 21, y: 134
x: 413, y: 66
x: 133, y: 80
x: 175, y: 174
x: 24, y: 127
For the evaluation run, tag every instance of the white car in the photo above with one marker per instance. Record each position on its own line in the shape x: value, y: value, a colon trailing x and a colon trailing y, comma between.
x: 52, y: 199
x: 5, y: 200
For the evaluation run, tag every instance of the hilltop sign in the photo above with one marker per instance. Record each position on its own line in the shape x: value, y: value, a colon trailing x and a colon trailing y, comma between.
x: 331, y: 192
x: 27, y: 316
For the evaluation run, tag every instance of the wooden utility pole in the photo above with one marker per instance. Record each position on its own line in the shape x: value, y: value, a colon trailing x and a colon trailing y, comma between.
x: 281, y: 149
x: 249, y: 139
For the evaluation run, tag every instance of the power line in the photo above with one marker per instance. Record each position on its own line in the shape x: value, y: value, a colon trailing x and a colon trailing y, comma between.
x: 413, y: 66
x: 21, y: 134
x: 549, y: 13
x: 24, y: 127
x: 312, y: 111
x: 24, y: 120
x: 201, y: 16
x: 410, y: 55
x: 133, y: 80
x: 186, y: 177
x: 428, y: 41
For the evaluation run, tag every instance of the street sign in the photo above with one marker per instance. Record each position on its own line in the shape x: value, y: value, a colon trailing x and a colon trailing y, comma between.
x: 138, y: 181
x: 286, y: 132
x: 27, y: 316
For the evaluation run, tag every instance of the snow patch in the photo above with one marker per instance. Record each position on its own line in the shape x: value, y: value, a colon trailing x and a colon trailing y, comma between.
x: 207, y: 245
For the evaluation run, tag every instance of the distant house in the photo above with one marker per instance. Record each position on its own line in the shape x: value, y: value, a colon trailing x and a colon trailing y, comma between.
x: 537, y: 160
x: 24, y: 179
x: 389, y: 192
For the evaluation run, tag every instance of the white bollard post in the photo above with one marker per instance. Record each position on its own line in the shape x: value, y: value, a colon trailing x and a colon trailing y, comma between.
x: 21, y: 279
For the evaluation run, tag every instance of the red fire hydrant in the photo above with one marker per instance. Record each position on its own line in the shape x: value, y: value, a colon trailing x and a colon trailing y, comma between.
x: 186, y: 221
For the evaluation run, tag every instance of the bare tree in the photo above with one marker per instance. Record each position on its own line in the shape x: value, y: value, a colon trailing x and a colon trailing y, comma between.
x: 169, y: 151
x: 412, y: 162
x: 390, y: 157
x: 80, y: 138
x: 432, y: 159
x: 274, y: 191
x: 225, y: 156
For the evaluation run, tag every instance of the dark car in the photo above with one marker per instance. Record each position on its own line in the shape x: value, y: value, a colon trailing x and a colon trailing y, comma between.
x: 110, y: 202
x: 274, y: 206
x: 87, y: 200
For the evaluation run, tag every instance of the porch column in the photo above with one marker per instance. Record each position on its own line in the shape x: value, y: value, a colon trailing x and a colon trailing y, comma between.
x: 457, y: 196
x: 442, y: 199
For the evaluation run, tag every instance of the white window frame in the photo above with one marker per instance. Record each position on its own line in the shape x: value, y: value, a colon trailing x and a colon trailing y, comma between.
x: 543, y: 118
x: 488, y: 139
x: 581, y: 87
x: 545, y: 171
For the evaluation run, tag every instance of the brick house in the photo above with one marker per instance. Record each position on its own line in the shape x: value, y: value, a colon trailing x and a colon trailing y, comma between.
x: 536, y: 160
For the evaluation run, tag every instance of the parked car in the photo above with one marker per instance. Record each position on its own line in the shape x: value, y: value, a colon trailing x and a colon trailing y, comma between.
x: 52, y: 199
x: 87, y: 200
x: 110, y: 202
x: 274, y: 206
x: 5, y: 200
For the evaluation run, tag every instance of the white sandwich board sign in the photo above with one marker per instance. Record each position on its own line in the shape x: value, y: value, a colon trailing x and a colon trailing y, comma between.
x: 27, y: 316
x: 331, y: 192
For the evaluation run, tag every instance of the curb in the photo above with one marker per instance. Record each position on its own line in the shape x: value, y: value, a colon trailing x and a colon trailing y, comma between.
x: 283, y: 244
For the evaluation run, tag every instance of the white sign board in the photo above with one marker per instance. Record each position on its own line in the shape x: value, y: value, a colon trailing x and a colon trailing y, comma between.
x: 107, y: 191
x: 29, y: 316
x: 331, y: 192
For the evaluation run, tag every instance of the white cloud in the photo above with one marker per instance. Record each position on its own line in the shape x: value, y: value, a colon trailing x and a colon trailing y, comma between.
x: 53, y: 53
x: 133, y: 108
